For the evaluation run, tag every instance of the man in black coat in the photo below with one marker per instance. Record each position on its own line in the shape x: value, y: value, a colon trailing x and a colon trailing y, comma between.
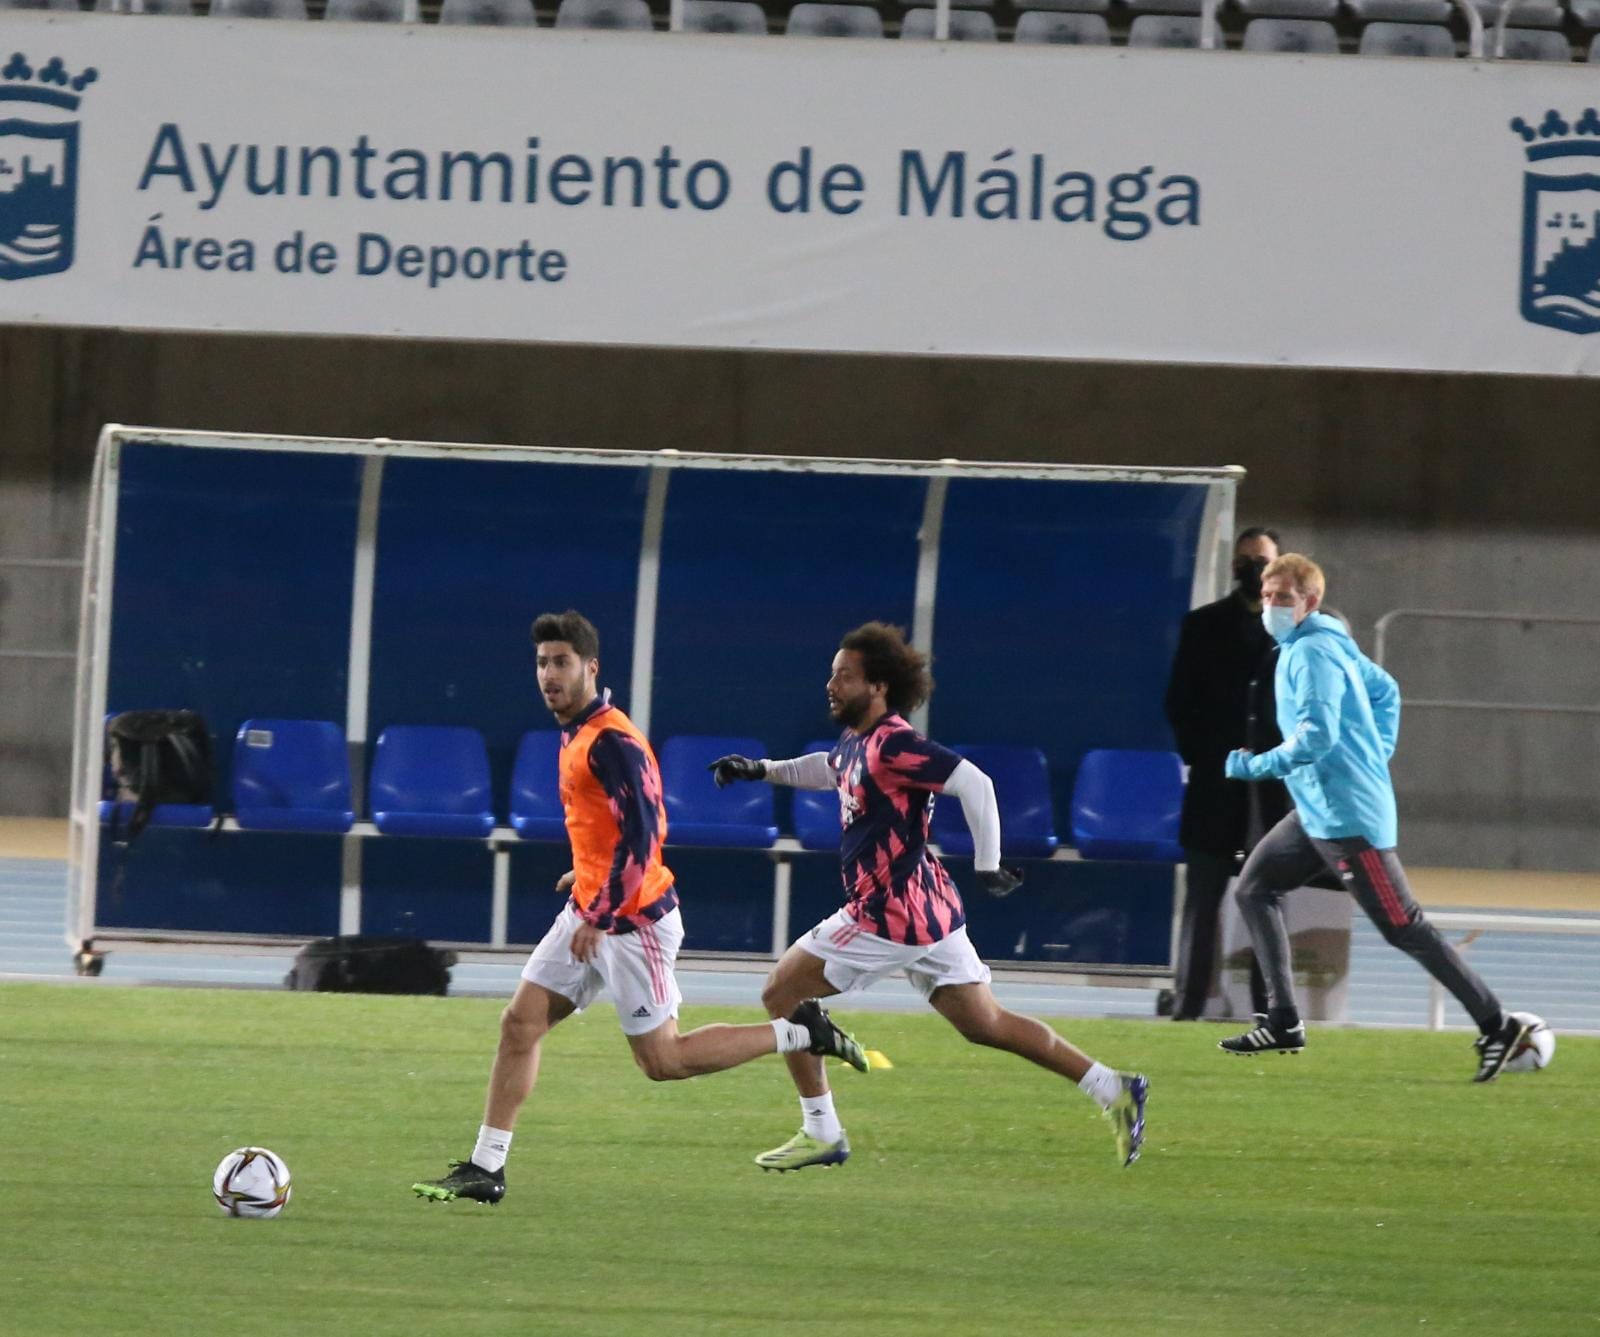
x: 1220, y: 697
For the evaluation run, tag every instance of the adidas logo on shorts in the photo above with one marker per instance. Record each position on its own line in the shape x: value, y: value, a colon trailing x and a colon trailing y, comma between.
x: 641, y: 1011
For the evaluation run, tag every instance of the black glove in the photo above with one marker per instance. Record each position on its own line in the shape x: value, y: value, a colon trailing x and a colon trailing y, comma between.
x: 730, y: 768
x: 1001, y: 881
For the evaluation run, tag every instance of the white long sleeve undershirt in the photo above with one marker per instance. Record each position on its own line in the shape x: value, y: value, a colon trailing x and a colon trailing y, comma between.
x: 967, y: 783
x: 808, y: 772
x: 976, y: 792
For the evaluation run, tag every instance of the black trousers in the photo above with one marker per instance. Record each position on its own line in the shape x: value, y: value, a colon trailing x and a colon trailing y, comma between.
x: 1288, y: 858
x: 1207, y: 877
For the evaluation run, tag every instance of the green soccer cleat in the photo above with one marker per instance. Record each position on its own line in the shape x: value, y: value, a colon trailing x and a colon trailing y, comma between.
x: 802, y: 1150
x: 1126, y: 1114
x: 827, y: 1037
x: 465, y: 1180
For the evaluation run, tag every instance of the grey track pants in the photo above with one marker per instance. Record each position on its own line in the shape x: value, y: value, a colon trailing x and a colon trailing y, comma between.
x: 1287, y: 858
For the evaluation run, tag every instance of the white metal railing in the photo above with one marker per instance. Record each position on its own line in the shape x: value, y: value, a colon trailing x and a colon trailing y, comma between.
x: 1475, y: 924
x: 1381, y: 646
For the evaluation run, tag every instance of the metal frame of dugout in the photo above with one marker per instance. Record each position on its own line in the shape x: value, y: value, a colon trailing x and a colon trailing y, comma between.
x: 1214, y: 512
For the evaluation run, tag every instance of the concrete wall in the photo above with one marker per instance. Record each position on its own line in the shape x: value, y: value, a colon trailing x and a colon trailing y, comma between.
x: 1415, y: 491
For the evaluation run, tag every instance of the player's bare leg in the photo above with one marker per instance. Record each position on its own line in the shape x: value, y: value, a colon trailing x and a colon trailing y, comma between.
x: 795, y: 983
x: 530, y: 1015
x: 527, y: 1019
x: 663, y: 1055
x: 974, y: 1011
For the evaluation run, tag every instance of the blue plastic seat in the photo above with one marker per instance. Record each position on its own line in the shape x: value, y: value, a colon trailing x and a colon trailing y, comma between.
x: 1125, y: 805
x: 698, y: 813
x: 816, y: 811
x: 1021, y: 778
x: 291, y: 775
x: 536, y: 811
x: 429, y: 780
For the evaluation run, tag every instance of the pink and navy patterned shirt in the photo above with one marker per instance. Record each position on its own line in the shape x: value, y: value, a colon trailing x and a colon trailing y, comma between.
x: 894, y: 886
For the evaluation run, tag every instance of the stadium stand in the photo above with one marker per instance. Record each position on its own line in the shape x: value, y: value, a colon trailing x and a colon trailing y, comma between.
x: 1164, y: 30
x: 429, y: 780
x: 291, y: 775
x: 724, y: 16
x: 1407, y: 39
x: 1529, y: 44
x: 536, y: 810
x: 966, y: 25
x: 822, y: 20
x: 1125, y: 805
x: 1062, y: 29
x: 489, y: 13
x: 1434, y: 28
x: 632, y: 15
x: 698, y: 813
x: 1291, y: 35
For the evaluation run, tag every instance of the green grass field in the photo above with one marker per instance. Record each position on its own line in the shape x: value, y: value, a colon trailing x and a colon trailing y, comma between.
x: 1363, y: 1187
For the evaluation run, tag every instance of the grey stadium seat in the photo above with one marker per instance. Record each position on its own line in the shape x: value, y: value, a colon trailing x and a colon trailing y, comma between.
x: 489, y: 13
x: 71, y: 6
x: 371, y: 11
x: 1164, y: 6
x: 1063, y: 29
x: 1080, y: 6
x: 1587, y: 12
x: 822, y: 20
x: 148, y: 7
x: 1594, y: 50
x: 735, y: 16
x: 1531, y: 44
x: 1401, y: 11
x: 1168, y: 30
x: 632, y: 15
x: 1291, y: 35
x: 966, y: 25
x: 259, y: 9
x: 1406, y: 39
x: 1527, y: 14
x: 1287, y: 9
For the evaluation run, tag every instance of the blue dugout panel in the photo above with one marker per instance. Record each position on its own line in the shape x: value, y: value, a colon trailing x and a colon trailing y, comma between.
x: 1054, y: 615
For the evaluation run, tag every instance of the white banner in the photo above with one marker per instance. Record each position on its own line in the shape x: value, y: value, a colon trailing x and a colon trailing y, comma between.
x: 731, y: 192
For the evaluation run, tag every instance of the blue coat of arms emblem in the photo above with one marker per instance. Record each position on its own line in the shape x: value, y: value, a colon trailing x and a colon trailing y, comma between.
x: 38, y: 166
x: 1561, y: 222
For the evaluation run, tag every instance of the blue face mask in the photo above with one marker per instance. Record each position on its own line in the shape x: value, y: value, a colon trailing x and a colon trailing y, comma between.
x: 1278, y: 621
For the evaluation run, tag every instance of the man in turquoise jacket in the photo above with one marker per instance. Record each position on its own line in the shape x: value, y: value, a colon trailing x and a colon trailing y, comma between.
x: 1340, y: 718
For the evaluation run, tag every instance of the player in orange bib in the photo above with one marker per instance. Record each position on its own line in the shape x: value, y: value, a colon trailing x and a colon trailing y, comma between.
x: 621, y: 929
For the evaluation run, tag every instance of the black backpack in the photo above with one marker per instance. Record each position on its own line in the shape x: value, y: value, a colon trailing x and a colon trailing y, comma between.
x: 159, y: 756
x: 368, y: 964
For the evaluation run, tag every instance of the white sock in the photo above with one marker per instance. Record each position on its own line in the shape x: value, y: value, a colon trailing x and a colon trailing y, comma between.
x: 493, y: 1146
x: 1101, y: 1084
x: 793, y: 1038
x: 819, y: 1119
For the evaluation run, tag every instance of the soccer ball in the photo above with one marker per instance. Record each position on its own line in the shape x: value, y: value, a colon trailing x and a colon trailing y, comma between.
x: 1536, y: 1050
x: 251, y: 1181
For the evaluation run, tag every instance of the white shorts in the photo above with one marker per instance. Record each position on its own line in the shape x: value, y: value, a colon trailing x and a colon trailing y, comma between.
x: 635, y: 968
x: 854, y: 958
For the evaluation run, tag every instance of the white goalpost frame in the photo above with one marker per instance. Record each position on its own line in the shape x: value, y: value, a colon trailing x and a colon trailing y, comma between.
x: 93, y: 666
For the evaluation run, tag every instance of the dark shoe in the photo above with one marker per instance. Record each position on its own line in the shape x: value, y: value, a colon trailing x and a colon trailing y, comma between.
x: 1166, y: 1001
x: 465, y: 1180
x: 826, y: 1038
x: 1495, y: 1048
x: 1265, y: 1039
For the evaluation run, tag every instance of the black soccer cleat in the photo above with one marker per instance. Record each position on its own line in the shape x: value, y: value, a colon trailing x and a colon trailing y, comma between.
x: 465, y: 1180
x: 1496, y: 1047
x: 827, y: 1038
x: 1266, y: 1039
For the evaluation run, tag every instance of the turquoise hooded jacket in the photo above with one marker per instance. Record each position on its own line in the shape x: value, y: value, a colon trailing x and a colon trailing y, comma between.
x: 1339, y: 714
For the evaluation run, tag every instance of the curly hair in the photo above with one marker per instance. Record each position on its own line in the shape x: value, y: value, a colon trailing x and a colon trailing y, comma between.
x: 573, y: 628
x: 886, y: 658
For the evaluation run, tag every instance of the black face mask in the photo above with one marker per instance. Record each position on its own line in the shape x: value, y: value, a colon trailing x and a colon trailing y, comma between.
x: 1247, y: 575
